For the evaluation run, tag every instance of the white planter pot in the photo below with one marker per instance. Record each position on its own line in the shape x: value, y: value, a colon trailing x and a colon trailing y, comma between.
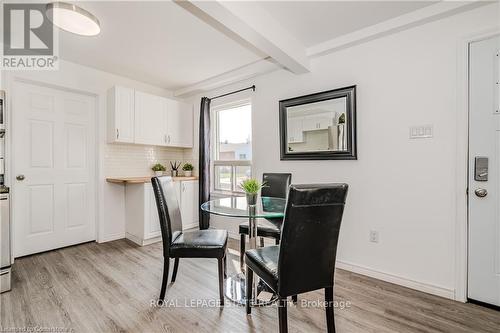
x: 158, y: 173
x: 188, y: 173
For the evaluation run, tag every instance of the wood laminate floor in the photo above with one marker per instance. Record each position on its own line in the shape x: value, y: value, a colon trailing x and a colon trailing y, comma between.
x: 110, y: 287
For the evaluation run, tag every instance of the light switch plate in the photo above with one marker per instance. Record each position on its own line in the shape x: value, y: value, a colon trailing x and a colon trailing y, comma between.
x: 421, y: 132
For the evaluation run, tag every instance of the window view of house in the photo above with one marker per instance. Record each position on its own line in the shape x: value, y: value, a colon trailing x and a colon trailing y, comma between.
x: 233, y: 146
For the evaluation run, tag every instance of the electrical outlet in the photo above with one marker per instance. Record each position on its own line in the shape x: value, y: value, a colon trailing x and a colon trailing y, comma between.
x: 373, y: 236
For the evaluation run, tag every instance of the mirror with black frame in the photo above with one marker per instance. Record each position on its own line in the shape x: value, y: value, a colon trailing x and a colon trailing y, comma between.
x: 319, y: 126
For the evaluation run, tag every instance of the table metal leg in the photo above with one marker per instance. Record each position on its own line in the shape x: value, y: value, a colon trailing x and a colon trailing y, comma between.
x: 235, y: 288
x: 252, y: 240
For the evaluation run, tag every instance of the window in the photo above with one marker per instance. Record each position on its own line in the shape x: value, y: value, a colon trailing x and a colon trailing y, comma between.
x: 232, y: 148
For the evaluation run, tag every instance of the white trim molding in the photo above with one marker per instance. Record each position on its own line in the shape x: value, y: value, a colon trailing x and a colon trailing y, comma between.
x: 111, y: 237
x: 399, y: 280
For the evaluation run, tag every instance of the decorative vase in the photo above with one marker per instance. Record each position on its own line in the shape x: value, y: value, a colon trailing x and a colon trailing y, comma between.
x: 174, y: 173
x: 188, y: 173
x: 158, y: 173
x: 251, y: 199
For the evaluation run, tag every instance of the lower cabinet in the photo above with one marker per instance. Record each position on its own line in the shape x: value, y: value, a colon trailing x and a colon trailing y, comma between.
x: 141, y: 215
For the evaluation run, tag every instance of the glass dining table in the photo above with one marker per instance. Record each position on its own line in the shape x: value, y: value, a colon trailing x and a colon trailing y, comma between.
x: 237, y: 207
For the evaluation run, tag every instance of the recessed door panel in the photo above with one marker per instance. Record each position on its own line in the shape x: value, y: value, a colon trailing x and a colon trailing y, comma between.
x: 75, y: 107
x: 41, y: 144
x: 77, y: 213
x: 41, y: 102
x: 76, y: 146
x: 41, y: 209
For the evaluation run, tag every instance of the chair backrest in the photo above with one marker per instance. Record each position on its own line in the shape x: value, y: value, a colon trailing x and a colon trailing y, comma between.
x: 309, y: 237
x: 168, y: 210
x: 277, y: 184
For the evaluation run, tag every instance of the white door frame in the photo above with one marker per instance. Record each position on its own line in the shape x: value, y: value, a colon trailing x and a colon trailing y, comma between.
x: 462, y: 138
x: 10, y: 79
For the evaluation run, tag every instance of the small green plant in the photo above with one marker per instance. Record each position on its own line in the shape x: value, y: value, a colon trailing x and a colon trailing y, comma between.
x: 252, y: 186
x: 158, y: 167
x: 187, y: 167
x: 342, y: 118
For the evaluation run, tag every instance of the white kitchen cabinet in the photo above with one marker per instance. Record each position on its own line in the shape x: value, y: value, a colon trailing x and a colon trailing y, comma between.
x: 150, y: 119
x: 141, y: 215
x: 121, y: 114
x: 189, y: 203
x: 317, y: 122
x: 141, y: 118
x: 179, y: 124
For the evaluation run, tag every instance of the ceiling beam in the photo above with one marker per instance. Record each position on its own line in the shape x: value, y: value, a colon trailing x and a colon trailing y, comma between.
x: 237, y: 75
x: 406, y: 21
x: 252, y: 26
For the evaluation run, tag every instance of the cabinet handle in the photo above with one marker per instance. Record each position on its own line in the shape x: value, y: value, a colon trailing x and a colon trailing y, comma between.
x: 165, y: 138
x: 168, y: 138
x: 117, y: 133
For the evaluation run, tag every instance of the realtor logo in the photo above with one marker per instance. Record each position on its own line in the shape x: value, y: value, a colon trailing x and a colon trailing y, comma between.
x: 28, y: 38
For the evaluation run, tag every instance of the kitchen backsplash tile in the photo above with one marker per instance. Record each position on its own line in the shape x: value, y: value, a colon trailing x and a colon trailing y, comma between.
x: 122, y: 160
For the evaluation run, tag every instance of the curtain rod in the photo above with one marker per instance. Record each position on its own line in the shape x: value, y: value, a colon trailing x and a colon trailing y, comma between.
x: 234, y: 92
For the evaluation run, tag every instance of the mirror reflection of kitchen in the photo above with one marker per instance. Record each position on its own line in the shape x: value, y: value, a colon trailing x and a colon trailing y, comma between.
x: 319, y: 126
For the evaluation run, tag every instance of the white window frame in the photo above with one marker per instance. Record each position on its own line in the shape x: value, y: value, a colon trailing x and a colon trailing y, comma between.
x: 214, y: 150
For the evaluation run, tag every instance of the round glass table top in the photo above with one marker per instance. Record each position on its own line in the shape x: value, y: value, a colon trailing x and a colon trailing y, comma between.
x: 266, y: 207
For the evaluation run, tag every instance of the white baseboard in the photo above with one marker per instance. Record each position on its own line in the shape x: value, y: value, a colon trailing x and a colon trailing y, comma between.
x: 190, y: 226
x: 142, y: 242
x: 112, y: 237
x: 402, y: 281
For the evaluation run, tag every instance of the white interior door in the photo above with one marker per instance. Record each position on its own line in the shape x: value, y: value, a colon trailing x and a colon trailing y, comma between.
x: 53, y: 167
x: 484, y: 172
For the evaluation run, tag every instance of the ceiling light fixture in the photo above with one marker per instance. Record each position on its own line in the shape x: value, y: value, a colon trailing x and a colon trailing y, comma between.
x: 73, y: 19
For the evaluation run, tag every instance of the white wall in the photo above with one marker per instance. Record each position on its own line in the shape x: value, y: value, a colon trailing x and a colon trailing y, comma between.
x: 114, y: 160
x: 405, y: 189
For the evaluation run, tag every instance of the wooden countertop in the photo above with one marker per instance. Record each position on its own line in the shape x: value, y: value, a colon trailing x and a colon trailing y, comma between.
x: 142, y: 180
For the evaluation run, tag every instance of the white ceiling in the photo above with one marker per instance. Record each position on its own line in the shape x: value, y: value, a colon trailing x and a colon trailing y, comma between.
x: 163, y: 44
x: 314, y: 22
x: 155, y: 42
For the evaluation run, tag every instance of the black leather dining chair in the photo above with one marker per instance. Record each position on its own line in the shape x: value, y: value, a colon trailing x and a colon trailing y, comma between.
x: 185, y: 244
x: 276, y: 186
x: 305, y: 259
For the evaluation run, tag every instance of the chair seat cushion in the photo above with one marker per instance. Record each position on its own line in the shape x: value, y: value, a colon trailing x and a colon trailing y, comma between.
x: 265, y: 228
x: 264, y: 263
x: 199, y: 244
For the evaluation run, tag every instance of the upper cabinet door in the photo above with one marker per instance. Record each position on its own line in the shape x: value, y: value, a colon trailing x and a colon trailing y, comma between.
x: 179, y: 124
x: 121, y: 114
x: 150, y: 119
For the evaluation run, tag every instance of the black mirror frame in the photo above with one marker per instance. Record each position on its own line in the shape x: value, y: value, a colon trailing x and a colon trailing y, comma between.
x: 350, y: 153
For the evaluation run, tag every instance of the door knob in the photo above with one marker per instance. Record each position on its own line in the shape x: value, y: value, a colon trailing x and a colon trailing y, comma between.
x: 481, y: 192
x: 20, y: 178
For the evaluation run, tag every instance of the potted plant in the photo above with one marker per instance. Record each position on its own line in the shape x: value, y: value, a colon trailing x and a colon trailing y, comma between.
x: 251, y: 187
x: 158, y: 169
x: 342, y: 119
x: 175, y: 168
x: 188, y: 169
x: 341, y: 132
